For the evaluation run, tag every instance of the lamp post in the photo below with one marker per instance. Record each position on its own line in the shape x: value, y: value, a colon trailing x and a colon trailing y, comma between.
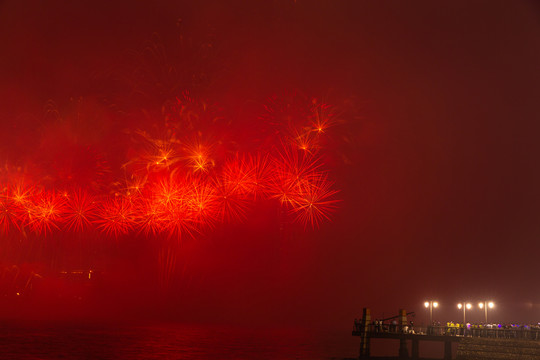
x: 430, y: 305
x: 464, y: 306
x: 485, y: 305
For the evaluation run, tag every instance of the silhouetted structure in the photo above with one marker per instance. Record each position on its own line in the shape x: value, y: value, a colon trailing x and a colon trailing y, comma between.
x: 508, y: 340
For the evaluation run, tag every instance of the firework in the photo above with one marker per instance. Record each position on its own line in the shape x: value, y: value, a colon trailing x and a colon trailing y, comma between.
x: 314, y: 201
x: 198, y: 156
x: 151, y: 216
x: 170, y: 188
x: 80, y: 210
x: 201, y: 202
x: 291, y: 169
x: 8, y: 214
x: 116, y: 216
x: 45, y: 212
x: 323, y: 117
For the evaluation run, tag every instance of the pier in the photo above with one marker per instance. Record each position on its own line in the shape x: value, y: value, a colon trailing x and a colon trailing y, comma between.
x: 525, y: 341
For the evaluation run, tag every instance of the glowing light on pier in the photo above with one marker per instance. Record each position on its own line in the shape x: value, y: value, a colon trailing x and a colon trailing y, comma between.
x: 485, y: 305
x: 430, y: 305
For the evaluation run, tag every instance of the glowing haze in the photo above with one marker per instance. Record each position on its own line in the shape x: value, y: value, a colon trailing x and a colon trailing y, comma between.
x: 131, y: 189
x: 276, y: 160
x: 173, y: 186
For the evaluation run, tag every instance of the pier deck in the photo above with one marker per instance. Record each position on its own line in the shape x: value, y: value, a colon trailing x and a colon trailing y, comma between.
x: 403, y: 330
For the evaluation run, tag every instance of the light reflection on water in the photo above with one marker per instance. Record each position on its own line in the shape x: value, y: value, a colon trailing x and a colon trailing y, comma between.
x: 48, y: 341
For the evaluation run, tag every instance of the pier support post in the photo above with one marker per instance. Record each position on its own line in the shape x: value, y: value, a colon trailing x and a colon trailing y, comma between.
x: 415, y: 349
x: 364, y: 333
x: 402, y: 320
x: 447, y: 350
x: 403, y: 351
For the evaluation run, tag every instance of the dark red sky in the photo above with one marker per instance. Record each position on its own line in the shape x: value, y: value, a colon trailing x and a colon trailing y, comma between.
x: 437, y: 165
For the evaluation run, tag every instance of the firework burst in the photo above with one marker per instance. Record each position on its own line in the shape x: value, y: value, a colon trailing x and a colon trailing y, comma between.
x: 46, y: 212
x: 8, y: 214
x: 116, y: 216
x: 169, y: 190
x: 80, y: 210
x: 314, y: 201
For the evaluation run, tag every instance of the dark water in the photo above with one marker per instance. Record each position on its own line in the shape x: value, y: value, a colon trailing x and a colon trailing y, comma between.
x: 72, y: 341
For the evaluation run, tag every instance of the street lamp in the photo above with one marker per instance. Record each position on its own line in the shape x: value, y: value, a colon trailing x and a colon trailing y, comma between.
x: 485, y: 305
x: 464, y: 306
x: 431, y: 305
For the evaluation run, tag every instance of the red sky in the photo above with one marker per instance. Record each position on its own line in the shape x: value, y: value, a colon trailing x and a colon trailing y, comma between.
x: 436, y: 159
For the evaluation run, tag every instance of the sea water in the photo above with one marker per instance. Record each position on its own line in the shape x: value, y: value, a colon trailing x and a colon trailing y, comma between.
x: 50, y: 340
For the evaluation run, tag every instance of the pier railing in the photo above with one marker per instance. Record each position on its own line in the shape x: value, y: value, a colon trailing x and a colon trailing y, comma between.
x: 399, y: 327
x: 513, y: 332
